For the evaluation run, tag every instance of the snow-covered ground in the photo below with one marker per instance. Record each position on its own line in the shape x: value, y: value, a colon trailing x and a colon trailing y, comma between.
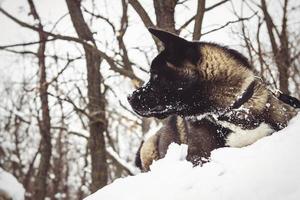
x: 10, y: 188
x: 267, y: 169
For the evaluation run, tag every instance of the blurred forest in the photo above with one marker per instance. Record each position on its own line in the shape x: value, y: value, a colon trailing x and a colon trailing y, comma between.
x: 66, y: 129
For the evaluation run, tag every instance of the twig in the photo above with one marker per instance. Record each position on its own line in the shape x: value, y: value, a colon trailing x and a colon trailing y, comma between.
x: 228, y: 23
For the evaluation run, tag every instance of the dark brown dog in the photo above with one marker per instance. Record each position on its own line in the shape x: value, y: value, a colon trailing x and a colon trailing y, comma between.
x: 216, y: 92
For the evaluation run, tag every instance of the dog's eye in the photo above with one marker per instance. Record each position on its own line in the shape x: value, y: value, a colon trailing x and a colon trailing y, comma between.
x: 154, y: 76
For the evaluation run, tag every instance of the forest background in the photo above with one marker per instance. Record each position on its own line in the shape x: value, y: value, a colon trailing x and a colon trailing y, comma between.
x: 66, y: 128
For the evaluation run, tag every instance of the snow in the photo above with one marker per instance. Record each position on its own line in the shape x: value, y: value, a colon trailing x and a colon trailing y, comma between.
x: 10, y: 187
x: 267, y: 169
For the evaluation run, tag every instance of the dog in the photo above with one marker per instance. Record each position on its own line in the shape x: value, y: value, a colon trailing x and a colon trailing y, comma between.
x: 212, y: 93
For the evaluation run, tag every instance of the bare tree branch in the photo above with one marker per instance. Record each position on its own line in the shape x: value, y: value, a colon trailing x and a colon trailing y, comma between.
x: 144, y: 17
x: 184, y: 25
x: 108, y: 59
x: 142, y: 13
x: 24, y: 44
x: 228, y: 23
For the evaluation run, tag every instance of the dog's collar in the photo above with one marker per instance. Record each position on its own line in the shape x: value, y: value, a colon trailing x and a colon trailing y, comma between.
x: 248, y: 93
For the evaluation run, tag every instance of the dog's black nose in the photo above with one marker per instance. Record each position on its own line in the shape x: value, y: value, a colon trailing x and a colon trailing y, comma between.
x: 129, y: 98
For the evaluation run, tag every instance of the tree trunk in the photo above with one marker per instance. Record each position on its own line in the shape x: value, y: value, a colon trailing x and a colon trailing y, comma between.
x: 40, y: 188
x: 283, y: 64
x: 284, y: 54
x: 96, y: 105
x: 280, y: 51
x: 165, y: 18
x: 199, y: 19
x: 40, y: 184
x: 164, y: 10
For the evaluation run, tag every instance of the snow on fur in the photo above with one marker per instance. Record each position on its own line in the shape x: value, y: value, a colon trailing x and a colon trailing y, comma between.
x: 10, y: 187
x: 267, y: 169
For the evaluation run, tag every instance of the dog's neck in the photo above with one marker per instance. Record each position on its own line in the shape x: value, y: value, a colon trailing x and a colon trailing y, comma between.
x: 246, y: 95
x: 226, y: 78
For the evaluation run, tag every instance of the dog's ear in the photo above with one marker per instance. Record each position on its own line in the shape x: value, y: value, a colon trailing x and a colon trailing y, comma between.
x: 169, y: 40
x: 177, y: 48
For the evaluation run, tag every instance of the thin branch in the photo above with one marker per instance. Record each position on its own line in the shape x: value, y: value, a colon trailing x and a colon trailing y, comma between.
x: 63, y: 69
x: 144, y: 17
x: 183, y: 26
x: 142, y: 13
x: 68, y: 100
x: 121, y: 104
x: 24, y: 44
x: 33, y: 12
x: 120, y: 36
x: 119, y: 161
x: 59, y: 20
x: 108, y: 59
x: 72, y: 132
x: 270, y: 26
x: 100, y: 17
x: 20, y: 52
x: 296, y: 56
x: 228, y: 23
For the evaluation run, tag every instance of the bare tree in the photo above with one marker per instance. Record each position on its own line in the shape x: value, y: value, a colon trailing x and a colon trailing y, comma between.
x: 96, y: 105
x: 280, y: 49
x: 276, y: 59
x: 44, y: 123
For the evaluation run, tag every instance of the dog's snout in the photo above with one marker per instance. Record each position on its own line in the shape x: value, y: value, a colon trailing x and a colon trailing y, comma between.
x: 134, y: 99
x: 129, y: 98
x: 144, y: 99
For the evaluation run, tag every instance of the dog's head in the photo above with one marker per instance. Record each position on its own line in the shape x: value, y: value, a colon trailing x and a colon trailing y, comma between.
x: 174, y: 79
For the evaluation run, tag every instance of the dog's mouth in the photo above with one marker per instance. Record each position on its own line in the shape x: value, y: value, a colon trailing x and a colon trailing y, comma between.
x: 153, y: 105
x: 147, y: 108
x: 160, y: 111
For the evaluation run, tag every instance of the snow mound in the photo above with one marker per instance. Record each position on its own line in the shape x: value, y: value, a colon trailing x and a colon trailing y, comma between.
x: 10, y: 188
x: 267, y: 169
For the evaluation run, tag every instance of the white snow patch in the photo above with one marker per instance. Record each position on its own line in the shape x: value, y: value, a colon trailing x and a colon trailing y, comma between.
x: 267, y: 169
x: 10, y: 187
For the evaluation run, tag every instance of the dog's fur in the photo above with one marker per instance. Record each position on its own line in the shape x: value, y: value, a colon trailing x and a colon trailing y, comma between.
x: 201, y: 136
x: 216, y: 92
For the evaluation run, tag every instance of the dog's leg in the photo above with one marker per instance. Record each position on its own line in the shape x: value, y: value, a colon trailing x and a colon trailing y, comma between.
x: 138, y: 160
x: 149, y: 152
x: 203, y: 137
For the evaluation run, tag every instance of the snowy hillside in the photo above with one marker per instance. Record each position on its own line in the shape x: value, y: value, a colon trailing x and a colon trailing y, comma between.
x: 268, y: 169
x: 10, y: 188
